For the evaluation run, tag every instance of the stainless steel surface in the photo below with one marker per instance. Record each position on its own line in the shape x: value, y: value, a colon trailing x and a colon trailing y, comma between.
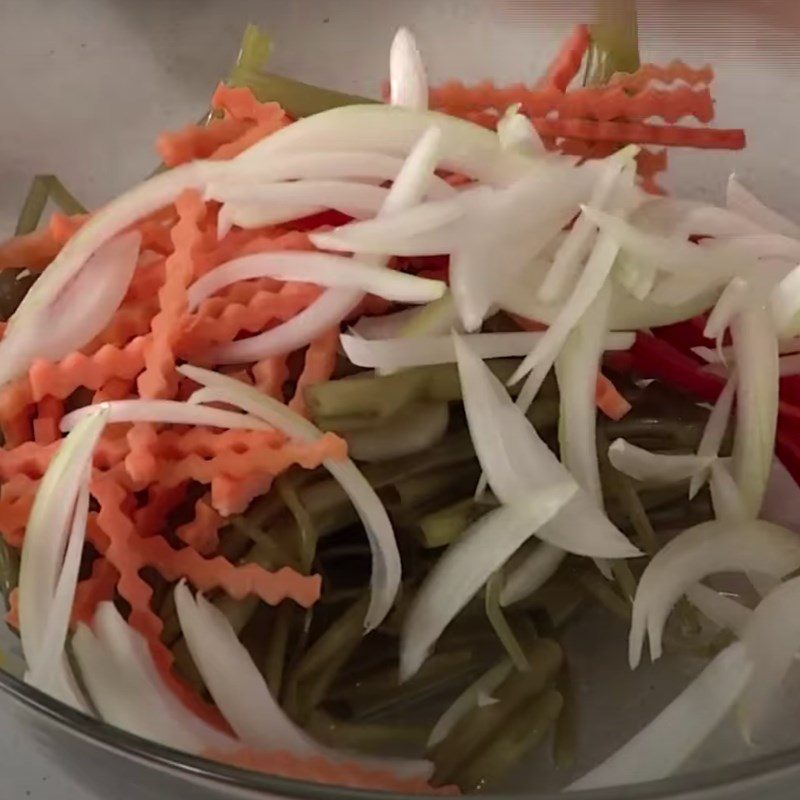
x: 87, y: 84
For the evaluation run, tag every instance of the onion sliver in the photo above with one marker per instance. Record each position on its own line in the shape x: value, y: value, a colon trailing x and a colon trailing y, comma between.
x: 785, y: 304
x: 713, y: 433
x: 747, y: 205
x: 408, y: 81
x: 772, y: 640
x: 48, y: 531
x: 703, y: 550
x: 468, y: 563
x: 466, y: 148
x: 389, y: 355
x: 410, y: 431
x: 320, y: 268
x: 755, y: 349
x: 171, y: 412
x: 515, y: 131
x: 385, y: 579
x: 330, y: 166
x: 468, y: 699
x: 722, y: 610
x: 731, y: 301
x: 642, y: 465
x: 782, y: 498
x: 726, y: 498
x: 531, y: 573
x: 258, y: 215
x: 127, y: 690
x: 666, y: 742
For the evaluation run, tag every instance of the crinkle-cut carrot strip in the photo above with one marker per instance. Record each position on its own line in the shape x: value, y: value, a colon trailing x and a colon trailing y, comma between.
x: 270, y: 374
x: 100, y: 586
x: 202, y: 533
x: 146, y: 281
x: 320, y: 770
x: 239, y: 102
x: 16, y: 500
x: 151, y: 518
x: 33, y: 251
x: 207, y: 444
x: 62, y: 378
x: 650, y: 185
x: 650, y: 162
x: 12, y: 615
x: 567, y: 62
x: 259, y: 460
x: 18, y: 429
x: 141, y: 463
x: 158, y: 378
x: 586, y: 149
x: 673, y: 72
x: 273, y: 119
x: 609, y: 399
x: 31, y: 460
x: 219, y: 321
x: 320, y: 361
x: 49, y: 412
x: 65, y: 226
x: 113, y: 389
x: 238, y: 582
x: 598, y: 103
x: 239, y: 374
x: 198, y: 141
x: 371, y: 306
x: 130, y: 320
x: 123, y: 555
x: 642, y: 133
x: 15, y: 398
x: 233, y: 495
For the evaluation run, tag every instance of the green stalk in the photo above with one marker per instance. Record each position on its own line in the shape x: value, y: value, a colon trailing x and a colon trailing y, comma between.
x: 275, y: 658
x: 303, y: 520
x: 42, y: 189
x: 615, y: 41
x: 442, y: 527
x: 499, y: 623
x: 362, y: 736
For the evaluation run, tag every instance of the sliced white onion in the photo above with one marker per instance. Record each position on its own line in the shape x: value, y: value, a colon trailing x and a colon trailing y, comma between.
x: 259, y: 215
x: 172, y: 412
x: 516, y: 132
x: 320, y: 268
x: 666, y: 742
x: 384, y: 326
x: 683, y: 218
x: 385, y: 579
x: 726, y: 497
x: 435, y: 319
x: 531, y: 573
x: 408, y: 80
x: 335, y: 304
x: 578, y: 243
x: 467, y: 148
x: 324, y: 313
x: 576, y: 372
x: 642, y: 465
x: 424, y: 229
x: 670, y: 255
x: 516, y: 462
x: 127, y: 690
x: 354, y: 199
x: 467, y: 700
x: 390, y: 355
x: 713, y: 433
x: 755, y: 348
x: 467, y: 564
x: 721, y: 609
x: 746, y: 204
x: 731, y: 301
x: 703, y: 550
x: 785, y: 304
x: 768, y: 247
x: 772, y: 640
x: 47, y: 535
x: 410, y: 431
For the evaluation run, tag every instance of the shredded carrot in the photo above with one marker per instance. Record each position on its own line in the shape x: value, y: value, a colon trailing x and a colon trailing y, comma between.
x: 321, y: 770
x: 674, y: 72
x: 566, y: 64
x: 159, y: 377
x: 320, y: 361
x: 18, y: 428
x: 239, y: 102
x: 141, y: 463
x: 113, y: 389
x: 198, y: 141
x: 99, y: 587
x: 16, y: 500
x: 151, y: 518
x: 202, y: 533
x: 270, y: 375
x: 609, y: 399
x: 233, y: 495
x: 33, y: 251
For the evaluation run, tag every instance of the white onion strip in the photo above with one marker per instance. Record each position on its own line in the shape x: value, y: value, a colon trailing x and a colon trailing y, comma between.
x: 772, y: 640
x: 721, y: 609
x: 515, y: 131
x: 714, y: 432
x: 531, y: 573
x: 705, y: 549
x: 756, y: 352
x: 642, y: 465
x: 408, y: 81
x: 127, y: 690
x: 666, y: 742
x: 747, y: 205
x: 467, y: 564
x: 385, y: 579
x: 171, y: 412
x: 319, y: 268
x: 785, y: 304
x: 389, y: 355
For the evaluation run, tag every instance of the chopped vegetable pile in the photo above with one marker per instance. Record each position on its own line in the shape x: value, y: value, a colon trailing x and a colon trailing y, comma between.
x: 319, y: 440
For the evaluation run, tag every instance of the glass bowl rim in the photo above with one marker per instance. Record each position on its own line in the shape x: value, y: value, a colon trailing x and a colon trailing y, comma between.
x: 221, y: 776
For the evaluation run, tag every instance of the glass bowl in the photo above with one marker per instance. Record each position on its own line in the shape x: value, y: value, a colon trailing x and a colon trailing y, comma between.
x: 89, y: 84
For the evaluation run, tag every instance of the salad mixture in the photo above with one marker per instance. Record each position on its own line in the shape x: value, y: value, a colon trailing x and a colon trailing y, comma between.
x: 319, y: 440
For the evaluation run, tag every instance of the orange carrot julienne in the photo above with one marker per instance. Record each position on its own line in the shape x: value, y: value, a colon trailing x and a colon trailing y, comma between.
x: 202, y: 532
x: 320, y: 361
x: 566, y: 64
x: 609, y: 399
